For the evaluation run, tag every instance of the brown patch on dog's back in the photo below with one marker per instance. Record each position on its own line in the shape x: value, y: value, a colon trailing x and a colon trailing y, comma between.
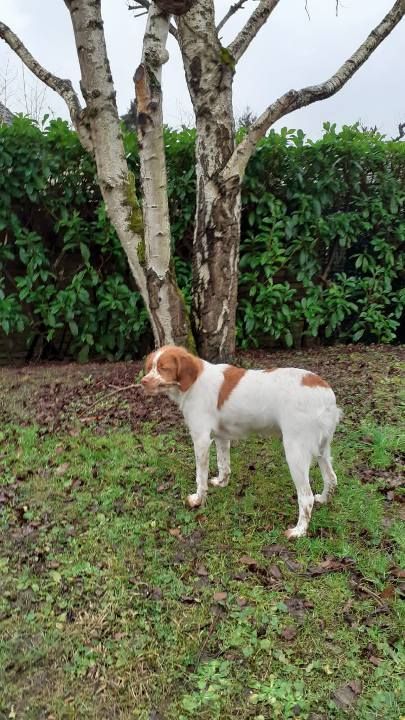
x: 312, y: 380
x: 270, y: 369
x: 232, y: 375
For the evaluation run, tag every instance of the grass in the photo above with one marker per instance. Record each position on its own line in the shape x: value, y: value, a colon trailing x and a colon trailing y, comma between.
x: 118, y: 602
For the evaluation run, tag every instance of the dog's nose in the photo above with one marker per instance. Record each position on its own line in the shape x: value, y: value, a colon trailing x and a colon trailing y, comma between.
x: 144, y: 380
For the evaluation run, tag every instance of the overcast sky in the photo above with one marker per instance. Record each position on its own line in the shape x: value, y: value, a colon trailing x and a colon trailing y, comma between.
x: 290, y: 51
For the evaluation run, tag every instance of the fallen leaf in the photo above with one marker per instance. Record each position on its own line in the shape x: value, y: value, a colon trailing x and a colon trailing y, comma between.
x: 75, y: 483
x: 330, y: 565
x: 397, y: 572
x: 61, y: 469
x: 388, y: 592
x: 154, y: 715
x: 156, y: 593
x: 5, y: 497
x: 241, y: 602
x: 249, y: 561
x: 270, y: 550
x: 175, y: 532
x: 297, y: 607
x: 220, y: 596
x: 375, y: 660
x: 346, y: 696
x: 189, y: 599
x: 163, y: 487
x: 275, y: 572
x: 201, y: 570
x: 240, y: 576
x: 289, y: 632
x: 293, y: 566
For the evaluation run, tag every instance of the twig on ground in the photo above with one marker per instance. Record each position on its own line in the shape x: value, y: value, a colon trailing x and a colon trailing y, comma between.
x: 108, y: 395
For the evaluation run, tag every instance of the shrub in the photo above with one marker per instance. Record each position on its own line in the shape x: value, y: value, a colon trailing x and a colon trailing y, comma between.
x: 322, y: 227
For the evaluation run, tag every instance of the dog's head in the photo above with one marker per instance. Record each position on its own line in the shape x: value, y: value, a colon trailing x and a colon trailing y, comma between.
x: 170, y: 367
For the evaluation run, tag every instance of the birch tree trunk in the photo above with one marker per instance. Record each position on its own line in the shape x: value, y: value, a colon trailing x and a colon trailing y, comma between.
x: 209, y: 72
x: 166, y: 303
x: 98, y: 128
x: 149, y: 260
x: 221, y: 166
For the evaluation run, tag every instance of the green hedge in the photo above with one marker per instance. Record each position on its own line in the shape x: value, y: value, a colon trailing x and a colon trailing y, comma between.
x: 322, y: 227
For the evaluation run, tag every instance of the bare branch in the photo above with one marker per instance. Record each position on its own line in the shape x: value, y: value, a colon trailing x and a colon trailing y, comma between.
x: 146, y: 4
x: 232, y: 10
x: 140, y: 4
x: 401, y: 131
x: 251, y: 28
x: 64, y: 88
x: 295, y: 99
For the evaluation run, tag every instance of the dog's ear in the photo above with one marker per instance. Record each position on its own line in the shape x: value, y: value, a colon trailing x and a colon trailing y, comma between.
x: 189, y: 370
x: 149, y: 362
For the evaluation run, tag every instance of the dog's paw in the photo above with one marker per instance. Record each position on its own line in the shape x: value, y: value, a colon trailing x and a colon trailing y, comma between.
x: 219, y: 482
x: 195, y: 500
x: 321, y: 499
x: 294, y: 532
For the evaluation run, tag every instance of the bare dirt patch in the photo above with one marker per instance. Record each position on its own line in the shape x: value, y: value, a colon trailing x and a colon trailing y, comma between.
x: 69, y: 395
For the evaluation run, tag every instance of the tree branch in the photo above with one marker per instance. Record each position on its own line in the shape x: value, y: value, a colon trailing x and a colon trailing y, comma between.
x: 252, y: 27
x: 401, y: 130
x: 295, y: 99
x: 232, y: 10
x: 148, y: 78
x: 146, y: 4
x: 64, y: 88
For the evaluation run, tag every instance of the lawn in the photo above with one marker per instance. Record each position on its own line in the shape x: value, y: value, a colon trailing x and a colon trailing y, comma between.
x: 118, y: 602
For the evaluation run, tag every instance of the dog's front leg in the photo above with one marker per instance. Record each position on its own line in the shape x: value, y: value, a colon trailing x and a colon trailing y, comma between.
x: 202, y: 455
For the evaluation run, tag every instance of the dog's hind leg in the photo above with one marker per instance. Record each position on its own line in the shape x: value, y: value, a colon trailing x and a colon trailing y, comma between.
x: 299, y: 460
x: 223, y: 461
x: 328, y: 475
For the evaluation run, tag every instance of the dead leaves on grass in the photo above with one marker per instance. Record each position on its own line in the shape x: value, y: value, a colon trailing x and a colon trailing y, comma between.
x: 289, y: 633
x: 330, y: 564
x: 346, y: 696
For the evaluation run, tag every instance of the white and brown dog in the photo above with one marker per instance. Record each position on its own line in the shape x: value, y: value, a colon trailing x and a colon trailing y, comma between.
x: 223, y: 403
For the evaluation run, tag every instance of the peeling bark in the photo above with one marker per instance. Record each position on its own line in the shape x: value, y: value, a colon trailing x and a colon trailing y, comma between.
x: 215, y: 269
x: 166, y: 304
x: 257, y: 19
x: 116, y: 184
x: 209, y: 73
